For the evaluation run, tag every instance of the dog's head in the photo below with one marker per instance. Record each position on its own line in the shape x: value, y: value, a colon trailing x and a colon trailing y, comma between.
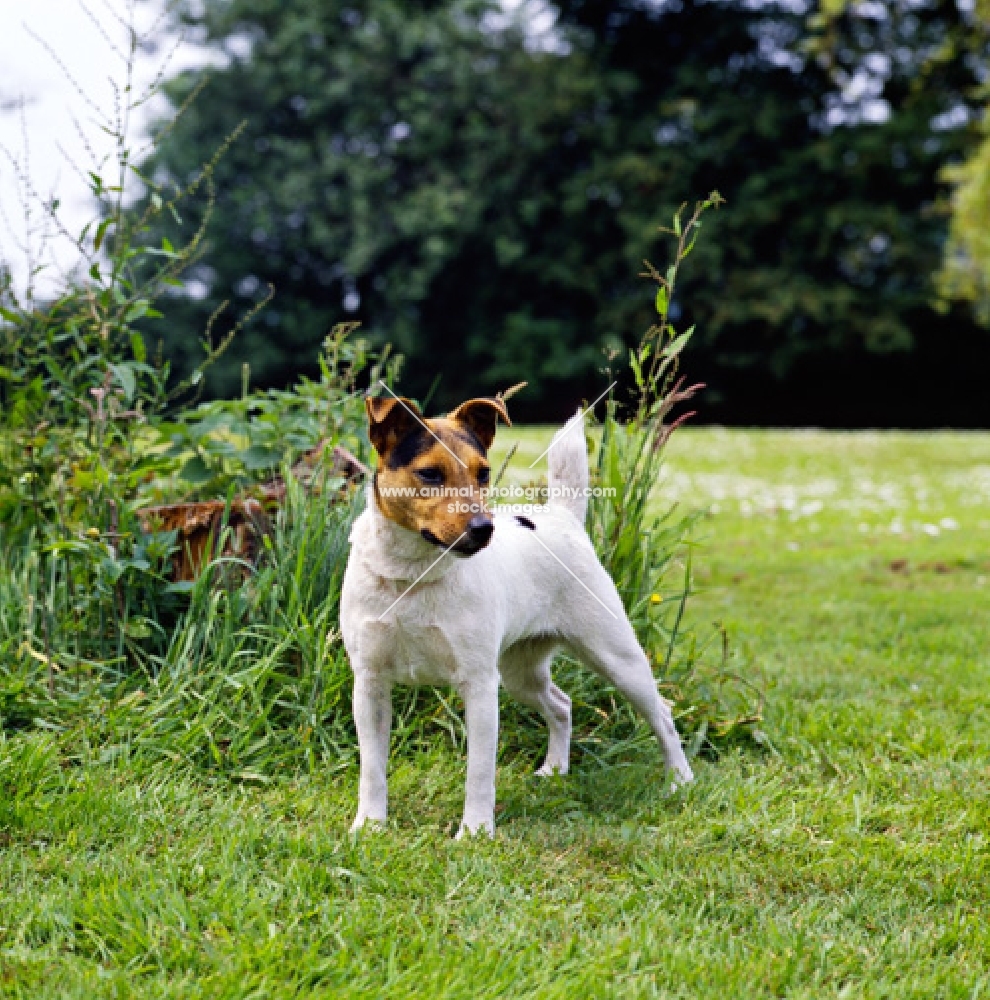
x: 433, y: 474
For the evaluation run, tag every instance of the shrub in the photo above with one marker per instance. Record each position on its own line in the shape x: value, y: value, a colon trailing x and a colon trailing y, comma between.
x: 93, y: 429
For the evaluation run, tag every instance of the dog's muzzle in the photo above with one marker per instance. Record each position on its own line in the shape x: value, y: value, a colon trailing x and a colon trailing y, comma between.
x: 479, y: 534
x: 476, y: 537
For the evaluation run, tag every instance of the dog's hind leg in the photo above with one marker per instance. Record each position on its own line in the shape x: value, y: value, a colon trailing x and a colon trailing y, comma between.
x: 609, y: 646
x: 525, y: 670
x: 373, y: 719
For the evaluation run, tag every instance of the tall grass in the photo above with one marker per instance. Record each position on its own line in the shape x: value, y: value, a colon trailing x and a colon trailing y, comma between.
x: 254, y: 677
x: 250, y: 676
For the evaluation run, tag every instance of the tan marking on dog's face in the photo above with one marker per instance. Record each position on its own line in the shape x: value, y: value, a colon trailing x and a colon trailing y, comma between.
x: 433, y: 474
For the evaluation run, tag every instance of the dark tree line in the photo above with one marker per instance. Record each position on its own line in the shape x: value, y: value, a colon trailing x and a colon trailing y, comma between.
x: 483, y: 197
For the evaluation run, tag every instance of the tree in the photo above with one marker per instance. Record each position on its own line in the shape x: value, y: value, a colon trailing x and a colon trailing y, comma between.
x: 379, y: 177
x: 966, y: 270
x: 485, y: 202
x: 826, y: 135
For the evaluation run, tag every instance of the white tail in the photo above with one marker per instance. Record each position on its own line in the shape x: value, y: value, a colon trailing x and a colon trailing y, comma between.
x: 567, y: 475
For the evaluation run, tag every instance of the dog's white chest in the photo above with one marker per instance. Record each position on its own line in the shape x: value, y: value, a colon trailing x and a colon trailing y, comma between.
x: 408, y: 652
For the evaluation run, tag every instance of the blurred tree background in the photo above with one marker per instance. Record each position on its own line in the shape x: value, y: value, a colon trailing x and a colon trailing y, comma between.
x: 479, y: 185
x: 966, y: 270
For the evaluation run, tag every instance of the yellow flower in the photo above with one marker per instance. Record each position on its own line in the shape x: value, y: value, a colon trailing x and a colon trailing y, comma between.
x: 655, y: 598
x: 92, y: 532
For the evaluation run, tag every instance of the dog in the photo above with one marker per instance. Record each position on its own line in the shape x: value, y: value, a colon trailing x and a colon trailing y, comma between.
x: 439, y: 591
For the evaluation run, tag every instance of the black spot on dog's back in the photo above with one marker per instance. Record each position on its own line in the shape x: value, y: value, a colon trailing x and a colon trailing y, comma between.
x: 525, y: 522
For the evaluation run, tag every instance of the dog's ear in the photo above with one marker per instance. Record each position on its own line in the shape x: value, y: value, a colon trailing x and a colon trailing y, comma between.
x: 481, y: 417
x: 390, y: 419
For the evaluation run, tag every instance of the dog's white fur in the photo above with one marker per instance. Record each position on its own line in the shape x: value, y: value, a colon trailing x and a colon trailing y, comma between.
x: 500, y: 614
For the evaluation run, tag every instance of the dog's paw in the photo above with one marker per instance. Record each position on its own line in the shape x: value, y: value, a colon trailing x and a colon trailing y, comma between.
x: 681, y: 775
x: 486, y: 828
x: 367, y: 824
x: 548, y: 770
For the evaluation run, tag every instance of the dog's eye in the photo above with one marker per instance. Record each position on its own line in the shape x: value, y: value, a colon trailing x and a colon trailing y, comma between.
x: 484, y: 475
x: 431, y: 476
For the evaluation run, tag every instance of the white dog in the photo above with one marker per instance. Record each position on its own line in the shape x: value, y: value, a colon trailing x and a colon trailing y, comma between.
x: 437, y: 591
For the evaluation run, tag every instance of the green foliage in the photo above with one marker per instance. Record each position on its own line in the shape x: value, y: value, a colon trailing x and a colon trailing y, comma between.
x: 225, y: 444
x: 826, y: 136
x: 91, y: 601
x: 85, y: 444
x: 966, y: 272
x: 254, y: 677
x: 641, y: 546
x: 80, y: 396
x: 354, y: 111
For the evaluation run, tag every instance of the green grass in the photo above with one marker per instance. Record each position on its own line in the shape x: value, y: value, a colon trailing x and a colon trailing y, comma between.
x: 848, y: 859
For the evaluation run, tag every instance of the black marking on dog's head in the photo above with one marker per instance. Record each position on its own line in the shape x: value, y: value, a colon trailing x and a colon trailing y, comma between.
x: 431, y: 474
x: 465, y: 434
x: 480, y: 416
x: 525, y: 522
x: 390, y: 419
x: 414, y: 444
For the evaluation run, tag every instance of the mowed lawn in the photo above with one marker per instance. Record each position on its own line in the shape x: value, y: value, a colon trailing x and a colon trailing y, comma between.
x: 850, y: 857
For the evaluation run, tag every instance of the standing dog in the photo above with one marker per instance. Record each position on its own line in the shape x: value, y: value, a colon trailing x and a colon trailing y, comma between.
x: 438, y: 591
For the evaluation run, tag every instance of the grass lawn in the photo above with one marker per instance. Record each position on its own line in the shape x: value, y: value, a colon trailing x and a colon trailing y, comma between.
x: 850, y: 858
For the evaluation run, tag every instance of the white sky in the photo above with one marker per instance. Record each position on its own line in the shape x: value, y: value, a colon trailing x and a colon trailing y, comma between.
x: 30, y: 76
x: 39, y: 107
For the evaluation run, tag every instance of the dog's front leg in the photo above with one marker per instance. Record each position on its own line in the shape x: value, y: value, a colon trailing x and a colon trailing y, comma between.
x: 481, y: 716
x: 373, y: 719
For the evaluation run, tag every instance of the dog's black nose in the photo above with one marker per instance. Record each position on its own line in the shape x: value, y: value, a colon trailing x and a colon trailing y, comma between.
x: 479, y: 531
